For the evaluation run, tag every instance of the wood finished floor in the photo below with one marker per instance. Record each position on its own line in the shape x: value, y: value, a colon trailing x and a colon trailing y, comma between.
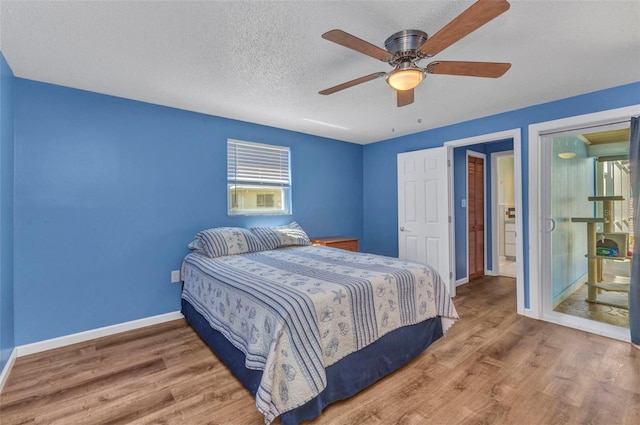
x: 493, y: 367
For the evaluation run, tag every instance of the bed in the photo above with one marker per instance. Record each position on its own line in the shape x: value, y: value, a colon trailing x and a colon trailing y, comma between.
x: 303, y: 326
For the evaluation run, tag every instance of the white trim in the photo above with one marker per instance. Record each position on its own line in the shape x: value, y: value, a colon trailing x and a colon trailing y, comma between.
x: 4, y: 375
x: 490, y: 272
x: 462, y: 281
x: 62, y: 341
x: 535, y: 214
x: 517, y: 177
x: 514, y: 134
x: 588, y: 325
x: 453, y: 283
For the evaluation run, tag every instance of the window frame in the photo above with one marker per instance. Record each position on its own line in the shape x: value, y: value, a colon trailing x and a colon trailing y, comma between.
x: 254, y: 167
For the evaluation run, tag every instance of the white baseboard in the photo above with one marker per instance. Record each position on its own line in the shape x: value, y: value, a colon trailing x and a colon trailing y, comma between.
x: 50, y: 344
x: 491, y: 273
x: 529, y: 313
x: 4, y: 375
x: 462, y: 281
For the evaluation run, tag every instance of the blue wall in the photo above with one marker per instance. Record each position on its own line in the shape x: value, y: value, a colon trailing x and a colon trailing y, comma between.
x: 108, y: 192
x: 7, y: 342
x: 380, y: 160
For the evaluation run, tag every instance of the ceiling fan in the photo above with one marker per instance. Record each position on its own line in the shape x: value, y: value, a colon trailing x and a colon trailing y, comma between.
x: 406, y: 48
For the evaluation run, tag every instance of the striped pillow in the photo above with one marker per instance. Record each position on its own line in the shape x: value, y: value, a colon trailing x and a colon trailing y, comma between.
x: 221, y: 241
x: 277, y: 236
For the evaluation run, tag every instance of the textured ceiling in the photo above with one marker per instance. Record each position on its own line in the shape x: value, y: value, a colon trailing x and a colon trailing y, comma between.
x: 265, y: 61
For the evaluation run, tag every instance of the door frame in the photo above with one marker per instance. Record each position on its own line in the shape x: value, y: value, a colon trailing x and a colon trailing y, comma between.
x: 515, y: 135
x: 484, y: 207
x: 537, y: 223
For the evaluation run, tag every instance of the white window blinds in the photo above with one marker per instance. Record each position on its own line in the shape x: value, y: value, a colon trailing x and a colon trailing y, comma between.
x: 258, y: 179
x: 257, y: 163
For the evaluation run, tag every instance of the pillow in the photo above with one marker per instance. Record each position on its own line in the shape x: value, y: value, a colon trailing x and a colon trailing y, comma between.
x: 195, y: 245
x: 277, y: 236
x: 221, y: 241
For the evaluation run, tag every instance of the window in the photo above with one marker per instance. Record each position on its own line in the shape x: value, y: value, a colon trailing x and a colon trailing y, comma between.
x: 265, y: 200
x: 258, y: 179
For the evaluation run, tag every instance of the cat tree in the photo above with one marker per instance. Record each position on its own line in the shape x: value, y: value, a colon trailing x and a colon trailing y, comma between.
x: 595, y: 281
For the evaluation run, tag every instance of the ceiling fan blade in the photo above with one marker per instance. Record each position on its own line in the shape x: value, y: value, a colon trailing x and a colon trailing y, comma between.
x: 469, y: 69
x: 405, y: 97
x: 353, y: 42
x: 352, y: 83
x: 468, y: 21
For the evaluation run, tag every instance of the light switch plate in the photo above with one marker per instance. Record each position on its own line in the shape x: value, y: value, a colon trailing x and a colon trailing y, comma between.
x: 175, y: 276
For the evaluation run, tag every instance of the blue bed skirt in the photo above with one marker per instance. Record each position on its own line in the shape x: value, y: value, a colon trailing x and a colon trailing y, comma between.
x: 344, y: 378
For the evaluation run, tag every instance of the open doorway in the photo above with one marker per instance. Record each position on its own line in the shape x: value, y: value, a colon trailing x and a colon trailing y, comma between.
x: 488, y: 145
x: 485, y: 210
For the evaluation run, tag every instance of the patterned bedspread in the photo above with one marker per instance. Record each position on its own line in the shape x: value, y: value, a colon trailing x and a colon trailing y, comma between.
x: 294, y: 311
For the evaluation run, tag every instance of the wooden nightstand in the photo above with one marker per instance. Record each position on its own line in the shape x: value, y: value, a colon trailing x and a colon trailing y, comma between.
x: 350, y: 244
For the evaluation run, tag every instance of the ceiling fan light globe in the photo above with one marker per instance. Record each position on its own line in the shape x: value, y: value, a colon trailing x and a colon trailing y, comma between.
x: 405, y: 79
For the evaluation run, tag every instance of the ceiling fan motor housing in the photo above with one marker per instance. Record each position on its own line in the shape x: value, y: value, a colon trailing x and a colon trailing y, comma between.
x: 404, y: 45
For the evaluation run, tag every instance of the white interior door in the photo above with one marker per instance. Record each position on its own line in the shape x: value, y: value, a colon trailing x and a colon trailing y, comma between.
x: 423, y: 210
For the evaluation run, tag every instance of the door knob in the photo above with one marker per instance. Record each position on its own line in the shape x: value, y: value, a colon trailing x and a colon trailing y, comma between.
x: 552, y: 225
